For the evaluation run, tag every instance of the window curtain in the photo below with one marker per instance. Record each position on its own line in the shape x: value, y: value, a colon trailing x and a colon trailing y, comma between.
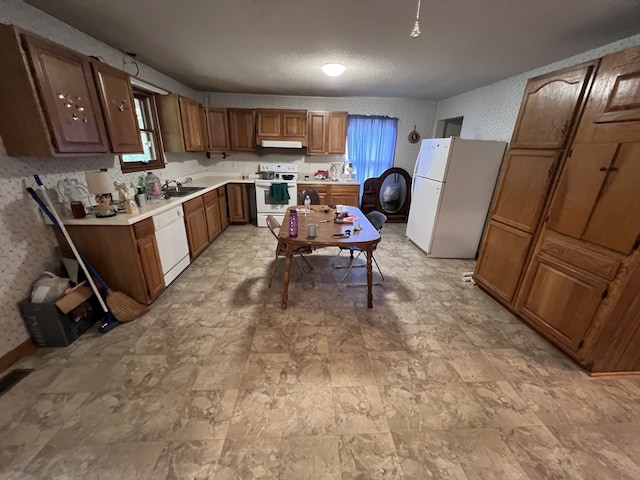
x: 371, y: 145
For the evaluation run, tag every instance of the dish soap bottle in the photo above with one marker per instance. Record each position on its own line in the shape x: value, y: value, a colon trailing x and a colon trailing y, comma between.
x: 152, y: 185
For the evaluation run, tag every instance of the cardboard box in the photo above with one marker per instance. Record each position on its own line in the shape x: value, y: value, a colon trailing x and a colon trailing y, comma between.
x: 59, y: 323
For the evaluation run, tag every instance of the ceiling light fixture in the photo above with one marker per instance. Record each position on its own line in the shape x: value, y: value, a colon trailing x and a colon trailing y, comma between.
x: 415, y: 31
x: 333, y: 69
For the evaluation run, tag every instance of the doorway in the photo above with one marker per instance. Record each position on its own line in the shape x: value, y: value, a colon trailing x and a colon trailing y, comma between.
x: 450, y: 127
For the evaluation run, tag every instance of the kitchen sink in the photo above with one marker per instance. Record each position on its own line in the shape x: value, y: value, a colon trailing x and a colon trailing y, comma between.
x: 180, y: 191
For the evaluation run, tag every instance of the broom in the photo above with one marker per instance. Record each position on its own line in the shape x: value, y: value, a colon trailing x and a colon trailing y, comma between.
x: 121, y: 306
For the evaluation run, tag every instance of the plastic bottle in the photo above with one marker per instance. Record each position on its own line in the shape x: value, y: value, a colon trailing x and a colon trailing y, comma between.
x: 152, y: 184
x: 307, y: 204
x: 293, y: 223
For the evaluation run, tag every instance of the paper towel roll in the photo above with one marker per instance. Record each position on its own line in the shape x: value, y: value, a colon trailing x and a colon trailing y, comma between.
x: 98, y: 182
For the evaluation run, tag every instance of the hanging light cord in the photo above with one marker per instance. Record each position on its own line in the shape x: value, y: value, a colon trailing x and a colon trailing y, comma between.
x: 415, y: 31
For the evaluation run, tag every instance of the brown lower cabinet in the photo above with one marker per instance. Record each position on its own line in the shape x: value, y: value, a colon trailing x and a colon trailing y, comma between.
x: 502, y: 258
x: 222, y: 205
x: 125, y: 255
x: 195, y: 220
x: 238, y: 198
x: 332, y: 194
x: 561, y: 300
x: 205, y: 218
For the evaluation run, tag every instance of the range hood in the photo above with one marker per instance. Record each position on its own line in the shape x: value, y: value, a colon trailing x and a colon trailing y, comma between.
x: 281, y: 144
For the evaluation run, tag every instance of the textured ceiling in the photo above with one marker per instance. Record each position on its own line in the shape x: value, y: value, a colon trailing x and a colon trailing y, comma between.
x: 278, y: 46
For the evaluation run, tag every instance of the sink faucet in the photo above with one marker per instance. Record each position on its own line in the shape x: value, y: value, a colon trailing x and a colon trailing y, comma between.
x: 169, y: 182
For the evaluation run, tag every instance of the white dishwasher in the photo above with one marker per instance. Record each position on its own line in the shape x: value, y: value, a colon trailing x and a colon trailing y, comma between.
x: 171, y: 236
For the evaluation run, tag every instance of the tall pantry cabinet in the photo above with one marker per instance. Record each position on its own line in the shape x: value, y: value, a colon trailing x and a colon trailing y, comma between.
x: 562, y: 251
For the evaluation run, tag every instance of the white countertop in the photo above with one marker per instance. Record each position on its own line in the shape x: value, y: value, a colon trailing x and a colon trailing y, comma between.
x: 209, y: 181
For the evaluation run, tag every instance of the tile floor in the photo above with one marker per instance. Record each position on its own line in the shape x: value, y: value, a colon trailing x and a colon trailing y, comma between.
x: 216, y: 381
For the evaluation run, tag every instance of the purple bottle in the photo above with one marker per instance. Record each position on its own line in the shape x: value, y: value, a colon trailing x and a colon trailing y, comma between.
x: 293, y: 223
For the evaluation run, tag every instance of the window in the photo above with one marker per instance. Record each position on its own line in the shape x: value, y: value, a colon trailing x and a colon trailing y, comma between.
x: 153, y: 155
x: 371, y: 145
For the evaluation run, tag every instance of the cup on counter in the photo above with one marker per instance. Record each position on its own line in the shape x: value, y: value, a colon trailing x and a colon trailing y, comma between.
x: 77, y: 210
x: 306, y: 178
x: 312, y: 230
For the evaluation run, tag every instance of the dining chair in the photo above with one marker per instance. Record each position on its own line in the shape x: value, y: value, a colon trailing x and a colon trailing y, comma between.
x: 281, y: 251
x: 313, y: 195
x: 377, y: 219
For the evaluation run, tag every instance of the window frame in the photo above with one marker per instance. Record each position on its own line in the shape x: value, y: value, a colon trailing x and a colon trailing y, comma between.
x: 160, y: 161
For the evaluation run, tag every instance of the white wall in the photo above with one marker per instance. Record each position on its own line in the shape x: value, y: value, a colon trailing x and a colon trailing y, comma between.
x: 490, y: 112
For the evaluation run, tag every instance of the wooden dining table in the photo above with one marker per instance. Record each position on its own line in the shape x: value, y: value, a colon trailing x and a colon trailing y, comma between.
x: 366, y: 238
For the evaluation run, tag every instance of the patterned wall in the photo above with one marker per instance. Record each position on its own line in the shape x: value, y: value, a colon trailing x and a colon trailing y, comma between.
x: 490, y: 112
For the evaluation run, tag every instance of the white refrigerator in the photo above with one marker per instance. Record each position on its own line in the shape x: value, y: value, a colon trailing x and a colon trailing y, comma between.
x: 453, y: 183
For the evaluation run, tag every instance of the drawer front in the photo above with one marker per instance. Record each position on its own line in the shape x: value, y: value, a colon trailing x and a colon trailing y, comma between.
x: 210, y: 197
x: 352, y: 189
x: 143, y: 228
x: 193, y: 205
x: 580, y: 254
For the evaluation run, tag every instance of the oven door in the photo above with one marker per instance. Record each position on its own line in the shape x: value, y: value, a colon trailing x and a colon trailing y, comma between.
x: 266, y: 205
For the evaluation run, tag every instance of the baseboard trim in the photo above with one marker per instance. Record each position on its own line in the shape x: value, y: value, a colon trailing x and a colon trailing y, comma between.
x: 16, y: 354
x: 614, y: 374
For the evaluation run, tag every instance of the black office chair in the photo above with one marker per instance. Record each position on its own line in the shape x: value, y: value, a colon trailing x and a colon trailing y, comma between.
x: 377, y: 219
x: 281, y: 250
x: 313, y: 195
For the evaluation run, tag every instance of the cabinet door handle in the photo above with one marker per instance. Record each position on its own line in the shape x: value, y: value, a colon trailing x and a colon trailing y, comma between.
x: 564, y: 128
x: 603, y: 169
x: 608, y: 169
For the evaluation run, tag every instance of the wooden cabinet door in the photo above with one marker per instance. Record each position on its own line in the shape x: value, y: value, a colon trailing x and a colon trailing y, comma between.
x: 67, y: 90
x: 116, y: 99
x: 212, y: 213
x: 579, y: 186
x: 317, y: 132
x: 549, y: 108
x: 238, y: 203
x: 561, y: 300
x: 619, y: 87
x: 525, y: 181
x: 268, y: 123
x: 191, y: 125
x: 222, y: 205
x: 337, y: 133
x: 144, y: 232
x: 345, y: 195
x: 196, y: 223
x: 151, y: 267
x: 615, y: 220
x: 242, y: 129
x: 501, y: 261
x: 294, y: 124
x: 217, y: 129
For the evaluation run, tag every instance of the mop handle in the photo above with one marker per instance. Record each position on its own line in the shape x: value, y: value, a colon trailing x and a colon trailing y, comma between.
x: 59, y: 224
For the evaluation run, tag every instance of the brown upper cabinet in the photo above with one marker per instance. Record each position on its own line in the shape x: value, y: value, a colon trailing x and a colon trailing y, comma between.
x: 281, y: 125
x: 49, y: 98
x: 116, y: 98
x: 181, y: 124
x: 217, y: 129
x: 327, y: 133
x: 242, y: 129
x: 549, y: 108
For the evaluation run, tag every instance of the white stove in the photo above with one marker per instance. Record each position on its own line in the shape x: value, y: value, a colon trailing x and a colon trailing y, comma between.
x: 272, y: 175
